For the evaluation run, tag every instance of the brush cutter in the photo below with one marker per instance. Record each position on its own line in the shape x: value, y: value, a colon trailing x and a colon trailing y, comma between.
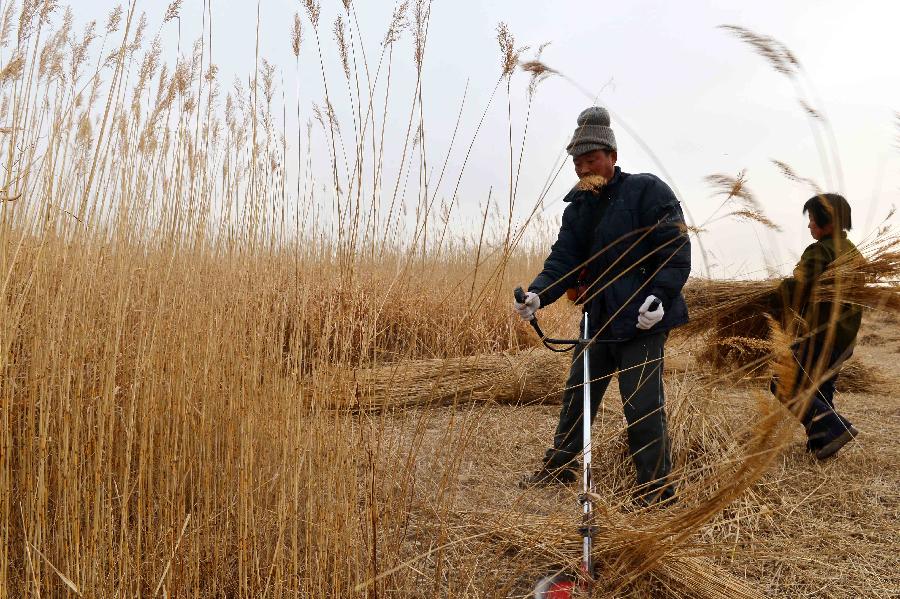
x: 563, y: 585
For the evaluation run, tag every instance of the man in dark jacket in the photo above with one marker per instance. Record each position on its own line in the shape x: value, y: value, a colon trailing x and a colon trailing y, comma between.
x: 819, y: 351
x: 624, y: 242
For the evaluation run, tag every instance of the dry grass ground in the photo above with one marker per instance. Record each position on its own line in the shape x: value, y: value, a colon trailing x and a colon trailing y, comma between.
x: 805, y: 529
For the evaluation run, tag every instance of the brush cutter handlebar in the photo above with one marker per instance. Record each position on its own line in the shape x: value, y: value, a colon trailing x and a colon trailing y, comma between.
x: 567, y: 344
x: 519, y: 295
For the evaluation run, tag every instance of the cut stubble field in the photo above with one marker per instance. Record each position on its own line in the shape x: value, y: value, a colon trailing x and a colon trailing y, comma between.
x: 805, y: 528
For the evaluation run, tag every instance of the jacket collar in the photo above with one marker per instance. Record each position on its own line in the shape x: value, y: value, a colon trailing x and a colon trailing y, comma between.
x: 618, y: 175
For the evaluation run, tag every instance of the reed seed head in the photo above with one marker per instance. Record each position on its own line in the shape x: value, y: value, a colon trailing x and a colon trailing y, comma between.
x: 812, y: 112
x: 13, y: 69
x: 732, y: 187
x: 312, y: 10
x: 173, y: 11
x: 114, y: 19
x: 538, y: 70
x: 776, y: 53
x: 509, y: 54
x: 341, y: 39
x: 791, y: 174
x: 296, y: 35
x: 399, y: 22
x: 137, y: 41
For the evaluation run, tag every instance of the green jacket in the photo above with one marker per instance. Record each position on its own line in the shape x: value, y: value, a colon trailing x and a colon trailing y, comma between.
x: 799, y: 294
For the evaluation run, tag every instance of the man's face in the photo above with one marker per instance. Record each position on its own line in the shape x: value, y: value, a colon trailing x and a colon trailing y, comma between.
x: 598, y: 162
x: 818, y: 232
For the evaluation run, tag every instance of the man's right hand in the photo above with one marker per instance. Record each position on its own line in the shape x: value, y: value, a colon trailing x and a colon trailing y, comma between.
x: 527, y: 309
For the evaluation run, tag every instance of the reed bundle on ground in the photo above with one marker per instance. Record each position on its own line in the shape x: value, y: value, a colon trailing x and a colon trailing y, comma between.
x: 859, y: 377
x: 731, y: 315
x: 533, y: 376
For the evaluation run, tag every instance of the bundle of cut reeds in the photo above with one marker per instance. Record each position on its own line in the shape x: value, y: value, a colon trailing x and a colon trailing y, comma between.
x: 731, y: 314
x: 530, y: 377
x: 859, y: 377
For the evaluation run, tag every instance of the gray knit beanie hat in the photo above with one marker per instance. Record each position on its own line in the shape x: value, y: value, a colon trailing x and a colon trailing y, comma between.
x: 592, y: 133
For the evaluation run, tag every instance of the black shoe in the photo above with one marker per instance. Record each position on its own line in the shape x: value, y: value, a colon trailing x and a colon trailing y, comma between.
x: 834, y: 445
x: 545, y: 477
x: 813, y: 445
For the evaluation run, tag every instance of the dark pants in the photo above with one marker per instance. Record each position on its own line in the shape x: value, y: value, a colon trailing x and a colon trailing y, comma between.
x: 639, y: 363
x: 820, y: 419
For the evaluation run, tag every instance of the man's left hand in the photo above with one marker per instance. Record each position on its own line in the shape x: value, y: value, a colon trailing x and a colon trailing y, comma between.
x: 647, y: 318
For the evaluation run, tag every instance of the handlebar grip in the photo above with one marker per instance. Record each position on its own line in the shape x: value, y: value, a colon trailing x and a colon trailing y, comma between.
x: 654, y: 305
x: 519, y: 294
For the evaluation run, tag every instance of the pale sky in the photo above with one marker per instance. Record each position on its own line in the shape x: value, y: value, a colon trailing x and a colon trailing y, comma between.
x: 698, y: 96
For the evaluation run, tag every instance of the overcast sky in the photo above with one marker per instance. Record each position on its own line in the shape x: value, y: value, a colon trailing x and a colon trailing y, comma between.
x: 699, y: 97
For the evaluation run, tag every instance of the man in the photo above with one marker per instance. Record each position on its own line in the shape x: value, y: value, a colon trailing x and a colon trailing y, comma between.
x: 625, y: 243
x: 817, y: 352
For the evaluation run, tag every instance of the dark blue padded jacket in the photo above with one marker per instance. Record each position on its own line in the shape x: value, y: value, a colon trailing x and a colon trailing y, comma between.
x: 631, y: 238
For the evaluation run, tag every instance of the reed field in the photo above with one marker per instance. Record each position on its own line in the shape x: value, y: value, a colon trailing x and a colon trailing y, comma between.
x: 224, y: 377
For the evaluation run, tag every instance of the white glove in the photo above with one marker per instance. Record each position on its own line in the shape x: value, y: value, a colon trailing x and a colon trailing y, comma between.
x: 647, y: 319
x: 531, y: 305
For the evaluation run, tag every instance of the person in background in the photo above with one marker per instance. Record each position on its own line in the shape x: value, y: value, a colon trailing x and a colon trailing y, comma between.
x: 827, y: 431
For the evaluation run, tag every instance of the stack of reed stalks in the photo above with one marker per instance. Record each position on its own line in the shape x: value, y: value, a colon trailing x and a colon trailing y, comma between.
x: 730, y: 315
x: 857, y: 376
x: 533, y: 376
